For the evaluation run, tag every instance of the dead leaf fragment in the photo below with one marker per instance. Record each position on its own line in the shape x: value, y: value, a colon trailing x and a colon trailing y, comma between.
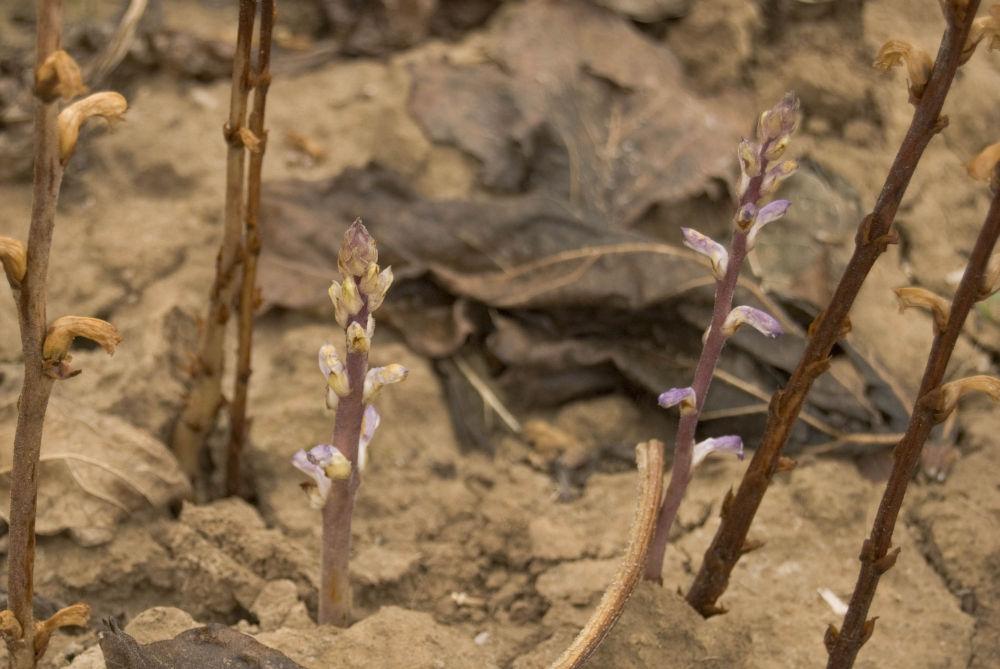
x: 94, y: 469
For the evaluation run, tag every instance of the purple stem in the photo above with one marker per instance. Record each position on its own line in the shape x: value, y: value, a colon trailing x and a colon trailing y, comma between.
x: 711, y: 351
x: 335, y: 582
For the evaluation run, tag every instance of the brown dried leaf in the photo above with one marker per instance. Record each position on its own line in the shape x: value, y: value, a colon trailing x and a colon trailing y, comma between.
x: 94, y: 469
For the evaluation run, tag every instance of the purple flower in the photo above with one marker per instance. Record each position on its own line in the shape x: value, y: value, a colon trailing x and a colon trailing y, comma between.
x: 728, y: 444
x: 322, y: 463
x: 369, y: 423
x: 759, y: 320
x: 683, y: 396
x: 707, y: 246
x: 767, y: 214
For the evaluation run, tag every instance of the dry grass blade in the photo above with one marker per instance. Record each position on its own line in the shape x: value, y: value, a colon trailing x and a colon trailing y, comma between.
x: 649, y: 460
x: 204, y: 398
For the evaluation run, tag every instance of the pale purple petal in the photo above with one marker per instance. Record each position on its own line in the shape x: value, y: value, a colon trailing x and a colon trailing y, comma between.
x: 759, y: 320
x: 313, y: 463
x: 683, y: 396
x: 369, y: 423
x: 707, y: 246
x: 727, y: 444
x: 776, y: 175
x: 768, y: 214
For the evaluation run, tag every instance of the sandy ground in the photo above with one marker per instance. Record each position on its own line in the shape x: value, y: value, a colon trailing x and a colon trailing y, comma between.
x: 470, y: 558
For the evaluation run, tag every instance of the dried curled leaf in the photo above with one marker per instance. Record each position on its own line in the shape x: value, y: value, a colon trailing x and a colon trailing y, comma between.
x: 912, y: 296
x: 982, y: 28
x: 58, y: 77
x: 249, y: 139
x: 991, y: 277
x: 211, y: 646
x: 76, y: 615
x: 14, y: 257
x: 946, y: 398
x: 983, y: 166
x: 109, y: 106
x: 94, y: 469
x: 64, y: 330
x: 918, y: 64
x: 10, y: 628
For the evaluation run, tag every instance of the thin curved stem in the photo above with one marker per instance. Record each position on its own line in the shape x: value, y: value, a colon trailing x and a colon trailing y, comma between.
x: 649, y: 461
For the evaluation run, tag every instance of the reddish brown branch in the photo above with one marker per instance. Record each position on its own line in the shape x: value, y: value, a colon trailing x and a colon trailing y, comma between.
x: 875, y: 556
x: 874, y: 234
x: 238, y: 425
x: 204, y: 398
x: 37, y: 385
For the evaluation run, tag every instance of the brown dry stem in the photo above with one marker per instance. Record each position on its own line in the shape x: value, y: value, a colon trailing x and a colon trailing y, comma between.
x: 204, y: 397
x: 649, y: 489
x: 876, y: 557
x: 37, y: 385
x: 248, y: 300
x: 874, y: 234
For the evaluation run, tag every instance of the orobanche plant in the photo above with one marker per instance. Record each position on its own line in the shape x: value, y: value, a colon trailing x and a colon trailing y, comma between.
x: 351, y: 387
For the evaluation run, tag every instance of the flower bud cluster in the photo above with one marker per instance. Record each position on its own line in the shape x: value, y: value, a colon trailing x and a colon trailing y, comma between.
x: 360, y: 291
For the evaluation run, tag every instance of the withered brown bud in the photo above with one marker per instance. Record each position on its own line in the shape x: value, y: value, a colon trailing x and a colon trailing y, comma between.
x: 918, y: 64
x: 250, y: 140
x: 357, y: 251
x: 946, y: 398
x: 75, y: 615
x: 15, y: 260
x: 64, y: 330
x: 912, y: 296
x: 10, y: 628
x: 109, y: 106
x: 983, y: 166
x: 58, y: 77
x: 982, y: 28
x: 991, y: 277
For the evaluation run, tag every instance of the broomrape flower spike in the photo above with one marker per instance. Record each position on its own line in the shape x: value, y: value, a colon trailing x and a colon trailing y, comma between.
x: 335, y: 468
x: 763, y: 168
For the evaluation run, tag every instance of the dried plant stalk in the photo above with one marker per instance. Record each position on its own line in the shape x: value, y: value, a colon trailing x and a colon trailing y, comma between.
x: 248, y: 302
x: 649, y: 461
x: 204, y: 398
x: 876, y: 556
x: 874, y: 234
x: 37, y: 385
